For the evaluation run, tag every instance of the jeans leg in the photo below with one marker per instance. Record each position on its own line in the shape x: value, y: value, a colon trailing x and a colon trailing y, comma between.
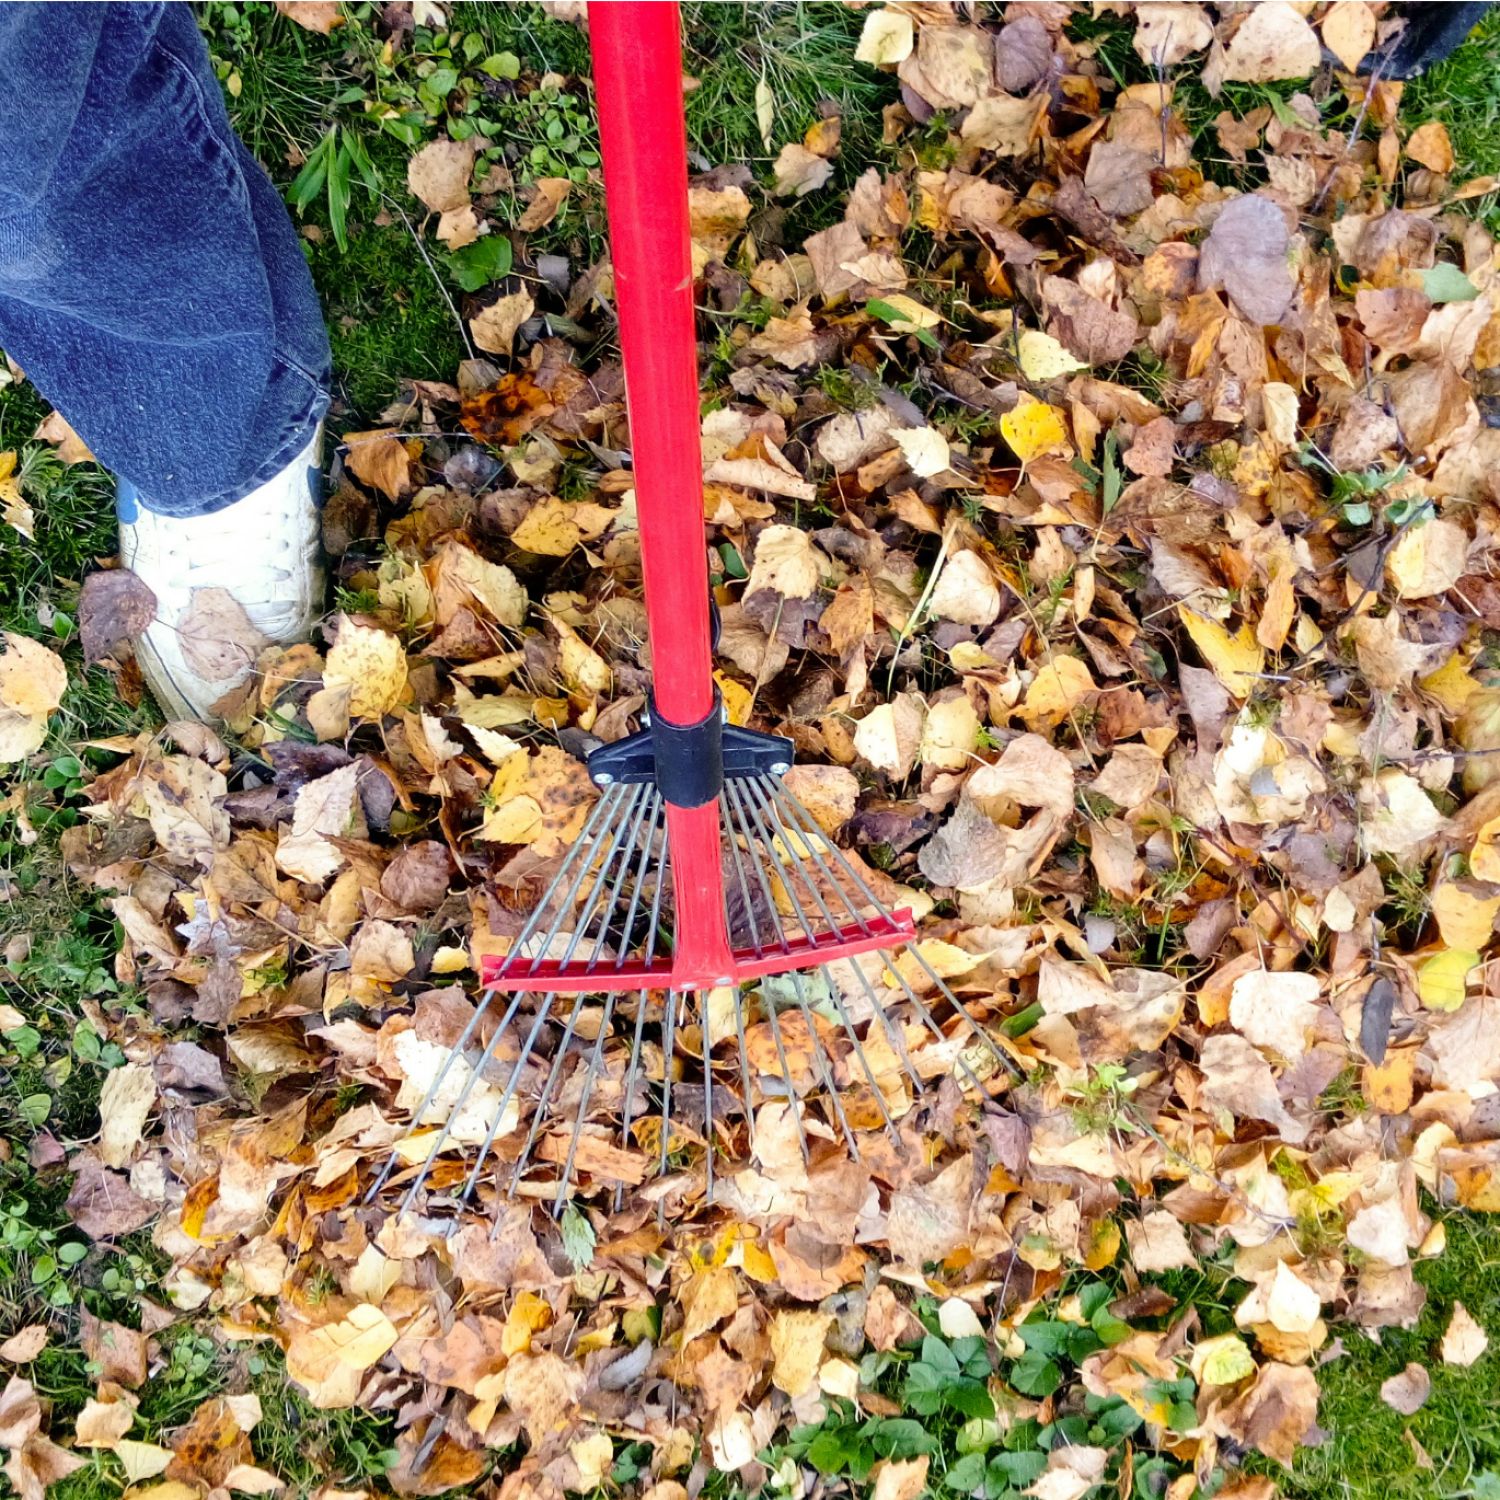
x: 151, y: 282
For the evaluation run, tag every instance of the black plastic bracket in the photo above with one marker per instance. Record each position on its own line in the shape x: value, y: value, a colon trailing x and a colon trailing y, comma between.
x: 688, y: 763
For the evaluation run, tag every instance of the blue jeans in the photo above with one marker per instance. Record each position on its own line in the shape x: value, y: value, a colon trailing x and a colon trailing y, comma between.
x: 152, y: 285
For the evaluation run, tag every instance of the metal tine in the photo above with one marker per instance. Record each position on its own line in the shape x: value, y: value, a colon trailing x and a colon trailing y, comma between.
x: 812, y: 840
x: 581, y: 922
x: 652, y: 926
x: 747, y: 1107
x: 632, y: 819
x: 445, y: 1134
x: 580, y: 848
x: 539, y: 1114
x: 708, y: 1099
x: 581, y: 845
x: 799, y: 988
x: 756, y: 865
x: 654, y: 804
x: 668, y: 1025
x: 511, y: 1084
x: 931, y: 1021
x: 630, y: 1073
x: 437, y: 1082
x: 786, y: 1073
x: 583, y: 1099
x: 635, y: 816
x: 862, y: 885
x: 765, y: 886
x: 726, y: 812
x: 812, y: 836
x: 833, y: 993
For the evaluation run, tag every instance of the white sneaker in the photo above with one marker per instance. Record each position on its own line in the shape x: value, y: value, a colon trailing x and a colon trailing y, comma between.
x: 227, y: 585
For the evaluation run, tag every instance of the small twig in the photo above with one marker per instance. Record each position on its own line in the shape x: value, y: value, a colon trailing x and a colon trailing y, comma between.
x: 442, y: 287
x: 1359, y: 124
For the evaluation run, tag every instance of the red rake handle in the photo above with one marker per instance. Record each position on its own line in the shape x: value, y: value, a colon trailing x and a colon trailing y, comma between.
x: 638, y: 83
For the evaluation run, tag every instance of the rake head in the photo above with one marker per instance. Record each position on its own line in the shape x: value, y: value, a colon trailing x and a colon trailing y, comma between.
x: 599, y: 1001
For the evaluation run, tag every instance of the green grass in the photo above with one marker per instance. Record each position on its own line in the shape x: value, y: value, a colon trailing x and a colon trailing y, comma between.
x: 1463, y: 91
x: 1366, y: 1454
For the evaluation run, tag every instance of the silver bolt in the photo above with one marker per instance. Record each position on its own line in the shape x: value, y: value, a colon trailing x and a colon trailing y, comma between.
x: 724, y: 983
x: 603, y: 778
x: 780, y: 768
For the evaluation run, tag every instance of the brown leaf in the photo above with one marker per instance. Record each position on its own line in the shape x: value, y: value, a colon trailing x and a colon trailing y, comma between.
x: 102, y: 1203
x: 417, y: 878
x: 119, y: 1352
x: 1276, y: 1414
x: 1463, y: 1340
x: 114, y: 606
x: 495, y: 328
x: 1408, y: 1391
x: 379, y: 459
x: 1246, y: 254
x: 25, y: 1344
x: 439, y: 174
x: 313, y: 15
x: 547, y: 198
x: 1093, y: 330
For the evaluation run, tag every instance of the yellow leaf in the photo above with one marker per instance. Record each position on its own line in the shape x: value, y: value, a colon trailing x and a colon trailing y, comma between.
x: 360, y: 1339
x: 1452, y: 684
x: 372, y: 664
x: 528, y: 1315
x: 924, y: 448
x: 756, y: 1263
x: 887, y: 38
x: 1236, y: 660
x: 1442, y: 981
x: 548, y: 529
x: 1222, y: 1361
x: 143, y: 1461
x: 797, y: 1349
x: 1055, y: 690
x: 1033, y: 428
x: 910, y: 314
x: 1484, y: 859
x: 737, y: 698
x: 1464, y: 920
x: 1043, y: 358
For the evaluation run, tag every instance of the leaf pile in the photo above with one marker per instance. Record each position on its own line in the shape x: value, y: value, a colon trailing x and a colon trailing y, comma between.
x: 1115, y: 539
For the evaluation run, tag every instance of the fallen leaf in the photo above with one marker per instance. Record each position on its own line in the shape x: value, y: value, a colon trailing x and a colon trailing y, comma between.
x: 371, y: 664
x: 1408, y: 1391
x: 439, y: 174
x: 495, y: 328
x: 1463, y: 1340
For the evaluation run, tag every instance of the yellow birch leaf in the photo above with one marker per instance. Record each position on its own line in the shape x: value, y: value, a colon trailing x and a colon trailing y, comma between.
x: 1222, y: 1361
x: 1236, y: 660
x: 1442, y: 982
x: 738, y: 699
x: 1043, y: 358
x: 371, y: 664
x: 548, y: 529
x: 1055, y: 690
x: 528, y: 1315
x: 887, y: 38
x: 1452, y: 685
x: 1484, y: 858
x: 1033, y: 428
x: 1464, y: 920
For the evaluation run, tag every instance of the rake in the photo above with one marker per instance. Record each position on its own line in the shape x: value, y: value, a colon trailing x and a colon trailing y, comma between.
x: 699, y: 885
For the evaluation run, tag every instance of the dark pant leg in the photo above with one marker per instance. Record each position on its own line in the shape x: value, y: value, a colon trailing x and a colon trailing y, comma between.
x: 151, y: 282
